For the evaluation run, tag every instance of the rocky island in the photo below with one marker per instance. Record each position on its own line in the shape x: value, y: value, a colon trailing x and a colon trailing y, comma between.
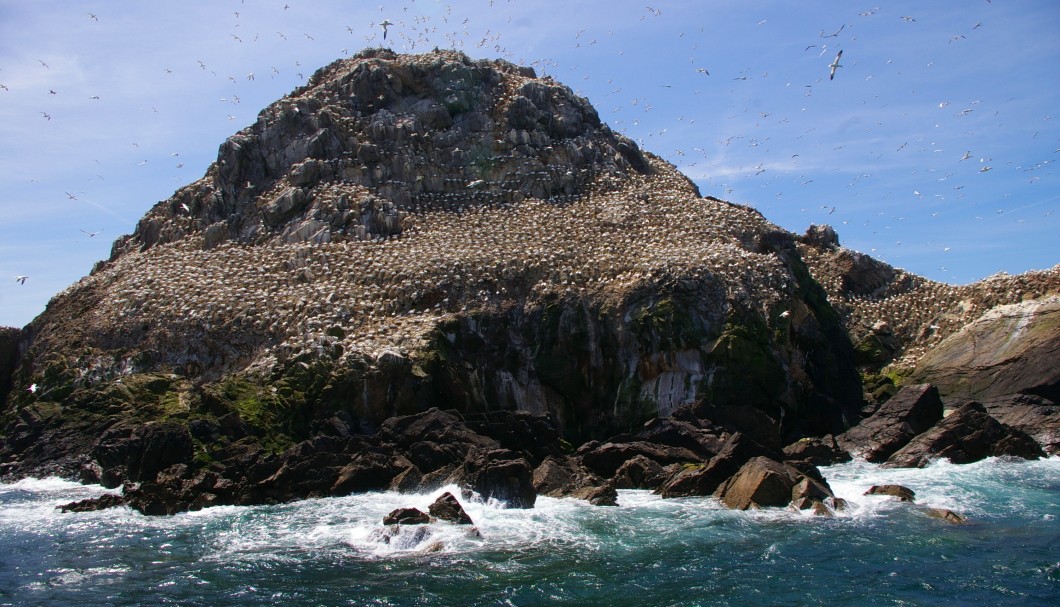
x: 418, y: 270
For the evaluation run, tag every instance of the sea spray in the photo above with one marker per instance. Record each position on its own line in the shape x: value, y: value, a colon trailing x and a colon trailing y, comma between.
x: 648, y: 550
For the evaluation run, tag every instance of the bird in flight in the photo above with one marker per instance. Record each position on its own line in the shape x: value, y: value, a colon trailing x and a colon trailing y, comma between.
x: 834, y: 65
x: 91, y: 234
x: 386, y: 23
x: 21, y: 279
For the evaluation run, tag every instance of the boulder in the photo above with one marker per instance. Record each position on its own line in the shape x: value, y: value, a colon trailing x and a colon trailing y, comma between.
x: 819, y: 451
x: 448, y: 508
x: 967, y: 435
x: 681, y: 434
x: 406, y: 516
x: 761, y: 483
x: 640, y: 473
x: 499, y: 474
x: 902, y: 493
x: 1036, y: 416
x: 559, y: 476
x: 606, y: 459
x: 704, y: 479
x: 911, y: 411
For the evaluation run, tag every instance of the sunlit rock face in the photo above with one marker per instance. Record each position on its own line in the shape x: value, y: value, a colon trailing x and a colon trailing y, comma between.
x: 409, y: 231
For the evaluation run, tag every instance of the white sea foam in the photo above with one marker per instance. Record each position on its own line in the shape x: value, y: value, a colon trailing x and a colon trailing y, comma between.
x: 352, y: 525
x: 970, y: 489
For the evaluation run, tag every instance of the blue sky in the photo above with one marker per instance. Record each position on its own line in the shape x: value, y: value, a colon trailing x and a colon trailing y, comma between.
x: 934, y: 147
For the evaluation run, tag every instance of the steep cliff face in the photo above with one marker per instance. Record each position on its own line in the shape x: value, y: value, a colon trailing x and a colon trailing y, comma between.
x: 415, y: 231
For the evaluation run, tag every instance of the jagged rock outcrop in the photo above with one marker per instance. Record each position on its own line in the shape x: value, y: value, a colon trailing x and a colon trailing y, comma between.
x: 911, y: 411
x: 817, y: 451
x: 967, y: 435
x: 448, y: 508
x: 763, y: 482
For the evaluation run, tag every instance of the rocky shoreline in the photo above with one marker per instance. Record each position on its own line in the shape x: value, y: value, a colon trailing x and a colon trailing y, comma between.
x: 512, y: 457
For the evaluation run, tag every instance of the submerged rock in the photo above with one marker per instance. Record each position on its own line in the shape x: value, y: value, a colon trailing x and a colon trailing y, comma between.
x: 947, y: 515
x: 107, y: 500
x: 903, y: 494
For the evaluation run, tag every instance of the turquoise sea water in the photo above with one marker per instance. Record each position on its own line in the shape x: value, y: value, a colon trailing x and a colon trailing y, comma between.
x: 648, y: 551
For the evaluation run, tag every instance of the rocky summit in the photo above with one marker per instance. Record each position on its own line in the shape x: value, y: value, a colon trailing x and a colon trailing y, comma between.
x: 423, y: 269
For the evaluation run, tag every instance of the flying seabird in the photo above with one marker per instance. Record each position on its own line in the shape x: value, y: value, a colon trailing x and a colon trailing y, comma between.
x: 91, y: 234
x: 834, y: 65
x: 21, y: 279
x: 386, y: 23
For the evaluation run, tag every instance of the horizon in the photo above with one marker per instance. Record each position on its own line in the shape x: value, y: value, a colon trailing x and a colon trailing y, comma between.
x: 915, y: 154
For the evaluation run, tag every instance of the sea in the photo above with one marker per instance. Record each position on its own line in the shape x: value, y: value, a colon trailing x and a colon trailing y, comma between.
x: 646, y: 551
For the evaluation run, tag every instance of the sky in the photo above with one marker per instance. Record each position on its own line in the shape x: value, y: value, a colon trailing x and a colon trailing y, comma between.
x: 934, y: 147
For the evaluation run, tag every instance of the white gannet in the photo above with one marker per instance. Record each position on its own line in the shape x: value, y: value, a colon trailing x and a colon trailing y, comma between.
x: 834, y: 65
x: 384, y: 25
x: 21, y: 279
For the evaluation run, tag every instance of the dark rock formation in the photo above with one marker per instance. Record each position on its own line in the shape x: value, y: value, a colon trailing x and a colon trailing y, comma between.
x: 9, y: 339
x: 107, y: 500
x: 641, y: 473
x: 448, y: 508
x: 823, y: 451
x: 407, y: 516
x: 502, y: 475
x: 969, y: 434
x: 566, y: 477
x: 901, y: 493
x: 763, y: 482
x: 705, y: 479
x: 911, y: 411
